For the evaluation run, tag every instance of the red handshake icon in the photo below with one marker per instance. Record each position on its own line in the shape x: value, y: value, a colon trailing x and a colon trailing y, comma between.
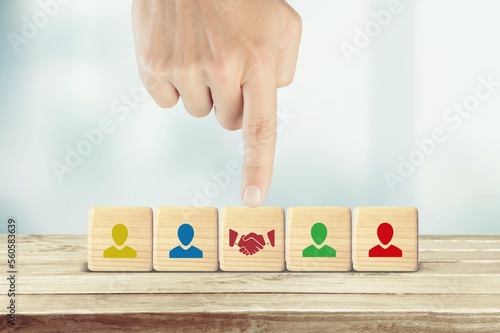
x: 251, y: 243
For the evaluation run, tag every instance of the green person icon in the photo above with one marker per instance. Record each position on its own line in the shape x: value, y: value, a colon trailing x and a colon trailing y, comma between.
x: 120, y: 235
x: 319, y: 233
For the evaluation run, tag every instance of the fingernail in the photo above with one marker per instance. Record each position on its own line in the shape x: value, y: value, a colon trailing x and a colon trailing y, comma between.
x: 252, y: 196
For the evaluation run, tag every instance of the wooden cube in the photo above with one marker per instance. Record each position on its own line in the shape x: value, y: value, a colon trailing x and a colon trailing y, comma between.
x: 120, y: 239
x: 252, y: 239
x: 185, y: 239
x: 318, y: 239
x: 385, y: 239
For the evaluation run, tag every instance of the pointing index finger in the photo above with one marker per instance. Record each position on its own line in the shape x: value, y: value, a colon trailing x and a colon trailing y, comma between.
x: 259, y: 136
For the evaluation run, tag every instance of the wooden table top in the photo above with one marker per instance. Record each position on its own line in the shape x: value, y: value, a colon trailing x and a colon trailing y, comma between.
x: 457, y: 289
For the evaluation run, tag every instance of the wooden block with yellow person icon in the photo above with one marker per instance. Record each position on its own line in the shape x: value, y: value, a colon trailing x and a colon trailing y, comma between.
x: 120, y: 239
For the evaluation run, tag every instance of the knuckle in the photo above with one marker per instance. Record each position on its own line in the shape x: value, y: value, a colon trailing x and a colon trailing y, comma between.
x: 198, y: 113
x: 293, y: 28
x: 184, y: 73
x: 256, y: 170
x: 155, y: 69
x: 285, y: 80
x: 165, y: 103
x: 228, y: 123
x: 261, y: 132
x: 221, y: 73
x: 261, y: 57
x: 153, y: 74
x: 153, y: 64
x: 297, y: 23
x: 197, y: 110
x: 293, y: 19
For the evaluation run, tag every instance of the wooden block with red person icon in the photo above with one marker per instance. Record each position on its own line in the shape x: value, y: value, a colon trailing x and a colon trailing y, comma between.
x: 252, y: 239
x: 385, y: 239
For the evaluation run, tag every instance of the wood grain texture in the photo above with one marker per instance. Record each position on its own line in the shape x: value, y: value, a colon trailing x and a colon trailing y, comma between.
x: 181, y: 283
x: 299, y: 222
x: 166, y: 224
x: 243, y: 221
x: 281, y: 302
x: 138, y: 222
x: 403, y: 236
x: 261, y: 322
x: 447, y: 294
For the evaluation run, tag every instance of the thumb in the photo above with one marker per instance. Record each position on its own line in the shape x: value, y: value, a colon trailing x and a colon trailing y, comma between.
x: 259, y: 136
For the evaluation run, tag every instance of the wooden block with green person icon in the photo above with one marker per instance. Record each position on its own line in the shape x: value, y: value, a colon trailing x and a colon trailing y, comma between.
x: 120, y: 239
x: 318, y: 239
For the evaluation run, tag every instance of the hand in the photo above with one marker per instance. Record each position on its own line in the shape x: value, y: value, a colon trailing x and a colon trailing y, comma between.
x: 251, y: 243
x: 232, y: 55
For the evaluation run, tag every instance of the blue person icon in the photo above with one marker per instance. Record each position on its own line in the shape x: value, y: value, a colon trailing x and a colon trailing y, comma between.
x: 186, y: 235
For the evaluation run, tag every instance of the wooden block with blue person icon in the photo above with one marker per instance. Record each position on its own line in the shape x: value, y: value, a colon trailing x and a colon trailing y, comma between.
x: 318, y: 239
x: 120, y: 239
x: 185, y: 239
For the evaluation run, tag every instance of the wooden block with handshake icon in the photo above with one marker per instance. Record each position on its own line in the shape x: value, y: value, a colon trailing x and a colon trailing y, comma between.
x: 253, y: 239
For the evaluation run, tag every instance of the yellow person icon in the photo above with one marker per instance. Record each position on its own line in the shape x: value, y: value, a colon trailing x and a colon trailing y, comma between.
x: 120, y: 235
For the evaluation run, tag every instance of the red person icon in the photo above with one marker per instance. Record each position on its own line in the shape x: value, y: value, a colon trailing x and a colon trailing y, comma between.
x: 385, y: 233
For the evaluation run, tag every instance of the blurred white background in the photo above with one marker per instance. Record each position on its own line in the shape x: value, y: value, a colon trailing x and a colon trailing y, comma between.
x: 343, y: 126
